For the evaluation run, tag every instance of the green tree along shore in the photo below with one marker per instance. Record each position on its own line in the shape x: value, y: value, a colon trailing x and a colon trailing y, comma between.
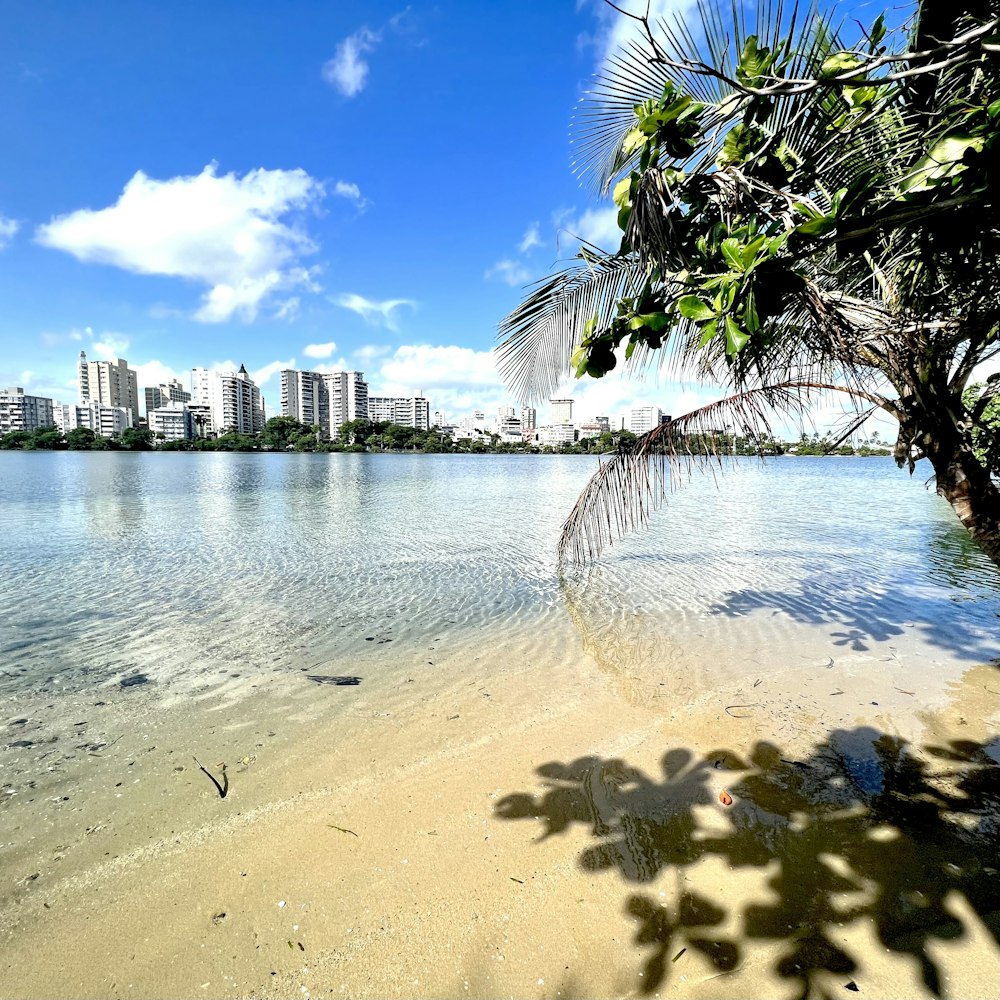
x: 288, y: 434
x: 806, y: 205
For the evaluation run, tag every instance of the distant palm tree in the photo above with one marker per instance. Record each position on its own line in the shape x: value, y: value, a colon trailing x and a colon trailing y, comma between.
x: 799, y: 215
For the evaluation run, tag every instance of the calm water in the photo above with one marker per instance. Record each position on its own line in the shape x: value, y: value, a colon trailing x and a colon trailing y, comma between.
x: 188, y: 569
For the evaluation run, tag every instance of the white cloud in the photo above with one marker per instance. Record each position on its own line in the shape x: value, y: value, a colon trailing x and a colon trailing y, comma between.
x: 371, y: 352
x: 344, y: 189
x: 110, y: 345
x: 8, y: 227
x: 319, y: 350
x: 288, y: 309
x: 26, y: 376
x: 510, y: 271
x: 615, y: 29
x: 348, y: 70
x: 264, y: 374
x: 372, y: 311
x: 530, y: 239
x: 225, y: 232
x: 598, y: 226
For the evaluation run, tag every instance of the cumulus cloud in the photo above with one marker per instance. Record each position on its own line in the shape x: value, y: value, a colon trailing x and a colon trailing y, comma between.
x: 510, y: 271
x: 8, y: 227
x: 264, y: 374
x: 530, y: 239
x: 371, y: 352
x: 372, y: 311
x: 319, y: 350
x: 348, y: 69
x: 228, y: 232
x: 288, y: 309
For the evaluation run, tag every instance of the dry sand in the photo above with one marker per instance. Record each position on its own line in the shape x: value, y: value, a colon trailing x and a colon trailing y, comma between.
x: 525, y: 823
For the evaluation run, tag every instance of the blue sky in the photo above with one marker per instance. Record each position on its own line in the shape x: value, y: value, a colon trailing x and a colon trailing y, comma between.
x: 298, y: 185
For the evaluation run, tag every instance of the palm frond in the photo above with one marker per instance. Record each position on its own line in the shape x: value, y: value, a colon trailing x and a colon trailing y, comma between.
x: 634, y: 482
x: 539, y: 336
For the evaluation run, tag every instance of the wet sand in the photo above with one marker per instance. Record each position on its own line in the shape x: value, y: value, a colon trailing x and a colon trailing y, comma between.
x: 524, y: 820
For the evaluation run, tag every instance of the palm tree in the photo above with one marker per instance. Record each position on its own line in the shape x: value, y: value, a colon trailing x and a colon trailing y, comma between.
x: 800, y: 215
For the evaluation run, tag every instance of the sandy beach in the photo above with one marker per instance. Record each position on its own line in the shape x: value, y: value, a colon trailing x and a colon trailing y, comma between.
x: 511, y: 822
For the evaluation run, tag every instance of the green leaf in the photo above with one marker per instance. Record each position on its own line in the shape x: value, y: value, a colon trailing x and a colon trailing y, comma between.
x: 736, y: 338
x: 818, y: 227
x: 732, y: 251
x: 839, y: 62
x: 942, y: 161
x: 691, y: 307
x: 622, y: 194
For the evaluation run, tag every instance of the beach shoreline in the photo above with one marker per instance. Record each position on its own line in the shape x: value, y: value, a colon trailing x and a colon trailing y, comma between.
x: 533, y: 823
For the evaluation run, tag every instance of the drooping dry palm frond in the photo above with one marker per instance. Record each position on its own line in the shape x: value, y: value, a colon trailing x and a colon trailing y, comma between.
x: 634, y: 482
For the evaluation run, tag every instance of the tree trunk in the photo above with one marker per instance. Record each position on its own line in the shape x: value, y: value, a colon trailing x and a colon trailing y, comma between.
x: 975, y: 498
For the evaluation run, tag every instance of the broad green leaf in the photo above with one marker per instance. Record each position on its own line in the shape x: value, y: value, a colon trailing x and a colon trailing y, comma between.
x: 839, y: 62
x: 622, y: 194
x: 732, y: 251
x: 708, y: 332
x: 691, y: 307
x: 942, y: 161
x: 736, y: 338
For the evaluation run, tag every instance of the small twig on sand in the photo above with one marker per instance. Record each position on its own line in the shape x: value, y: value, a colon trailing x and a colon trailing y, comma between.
x: 342, y: 829
x: 221, y: 789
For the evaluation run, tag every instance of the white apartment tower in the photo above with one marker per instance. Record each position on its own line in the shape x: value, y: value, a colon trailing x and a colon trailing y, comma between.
x: 83, y: 378
x: 236, y: 403
x: 529, y: 418
x: 201, y: 380
x: 643, y: 419
x: 408, y: 411
x: 562, y: 411
x: 348, y: 395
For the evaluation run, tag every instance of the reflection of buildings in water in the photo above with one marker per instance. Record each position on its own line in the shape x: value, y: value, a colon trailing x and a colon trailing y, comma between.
x: 113, y: 493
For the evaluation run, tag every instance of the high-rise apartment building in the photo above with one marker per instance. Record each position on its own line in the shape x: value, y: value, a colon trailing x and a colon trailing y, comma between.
x: 201, y: 380
x: 643, y: 419
x: 327, y: 399
x: 529, y: 418
x: 304, y: 397
x: 440, y: 419
x: 236, y: 402
x: 108, y: 383
x: 164, y: 394
x: 22, y: 412
x: 408, y: 411
x: 562, y: 411
x: 348, y: 395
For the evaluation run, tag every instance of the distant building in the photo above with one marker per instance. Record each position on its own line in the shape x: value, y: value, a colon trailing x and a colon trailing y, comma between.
x: 561, y: 411
x: 173, y: 420
x: 108, y: 383
x: 304, y: 397
x: 509, y: 428
x: 644, y: 418
x: 22, y: 412
x: 349, y: 400
x: 236, y: 403
x: 201, y: 419
x: 555, y: 435
x: 164, y: 394
x: 324, y: 399
x: 591, y: 429
x: 439, y: 419
x: 201, y: 379
x: 409, y: 411
x: 529, y: 418
x: 105, y: 421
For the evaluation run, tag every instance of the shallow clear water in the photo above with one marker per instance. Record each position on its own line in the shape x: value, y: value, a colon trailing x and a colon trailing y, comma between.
x: 188, y: 569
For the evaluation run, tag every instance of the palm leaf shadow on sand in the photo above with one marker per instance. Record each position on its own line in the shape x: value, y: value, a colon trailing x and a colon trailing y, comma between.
x: 337, y: 680
x: 863, y: 827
